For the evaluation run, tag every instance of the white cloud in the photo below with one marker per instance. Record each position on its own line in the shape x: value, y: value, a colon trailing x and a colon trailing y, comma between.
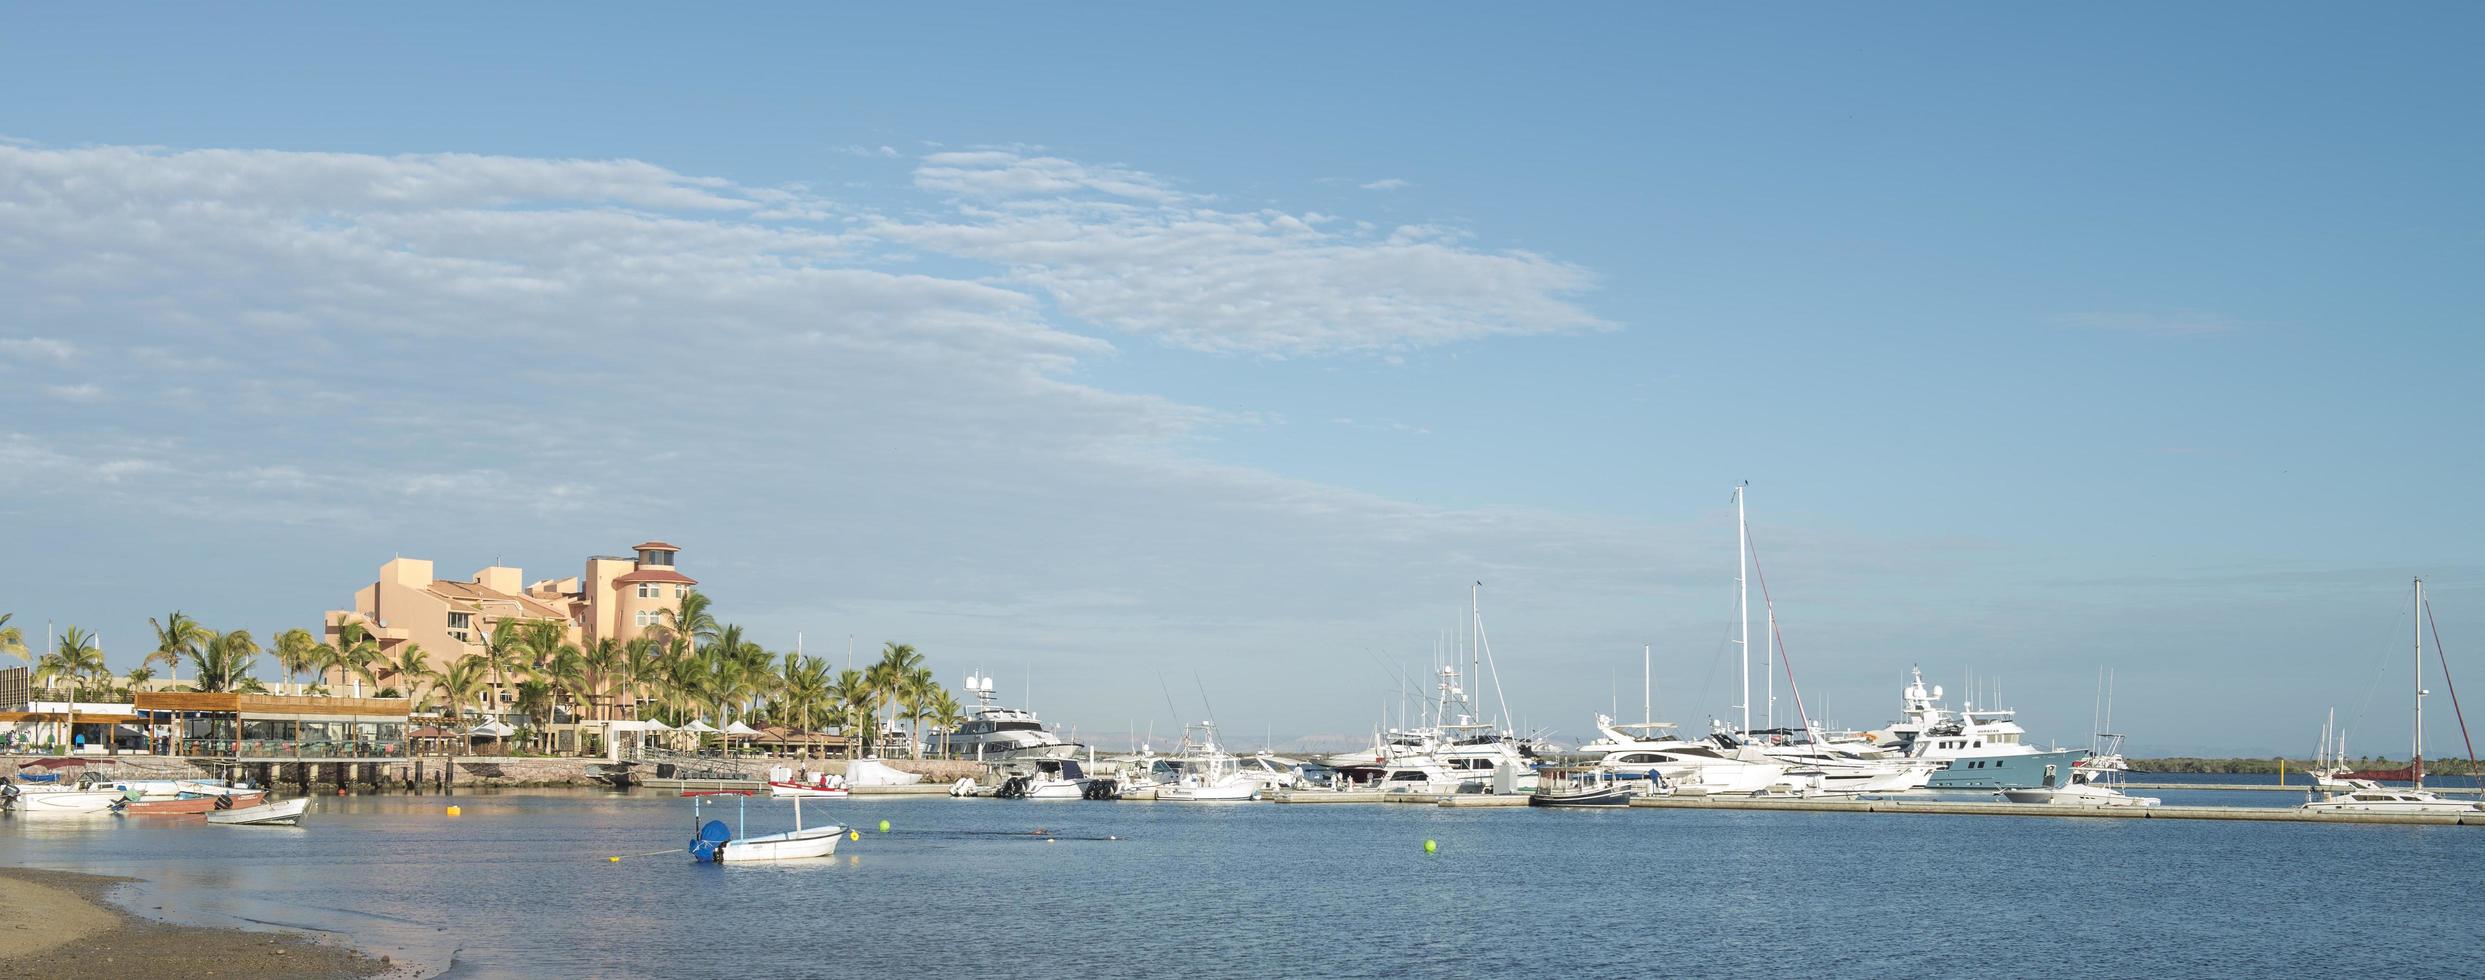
x: 1004, y: 174
x: 1259, y: 282
x: 74, y: 393
x: 452, y: 353
x: 1388, y: 184
x: 32, y: 348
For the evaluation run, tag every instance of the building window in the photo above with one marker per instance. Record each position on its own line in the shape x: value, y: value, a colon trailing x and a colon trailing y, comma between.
x: 461, y: 626
x: 681, y: 592
x: 649, y: 590
x: 659, y: 558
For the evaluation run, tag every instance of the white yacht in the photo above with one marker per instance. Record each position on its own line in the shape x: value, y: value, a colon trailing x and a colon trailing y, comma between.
x: 1655, y: 750
x: 993, y: 733
x: 1046, y: 779
x: 1980, y: 748
x: 1455, y: 753
x: 2362, y: 795
x: 1203, y: 773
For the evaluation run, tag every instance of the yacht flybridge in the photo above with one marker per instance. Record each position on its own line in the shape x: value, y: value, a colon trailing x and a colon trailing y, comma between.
x: 993, y: 733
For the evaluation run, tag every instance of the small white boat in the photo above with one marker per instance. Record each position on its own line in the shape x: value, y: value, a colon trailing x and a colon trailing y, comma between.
x: 1046, y: 779
x: 2080, y: 793
x: 45, y: 801
x: 717, y: 845
x: 285, y: 813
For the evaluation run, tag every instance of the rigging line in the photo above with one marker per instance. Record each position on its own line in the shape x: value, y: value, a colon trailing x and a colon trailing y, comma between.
x: 1779, y: 637
x: 2444, y: 659
x: 2388, y: 655
x: 1718, y: 659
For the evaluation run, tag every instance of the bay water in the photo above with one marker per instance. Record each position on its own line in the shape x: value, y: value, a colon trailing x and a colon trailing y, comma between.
x: 522, y: 885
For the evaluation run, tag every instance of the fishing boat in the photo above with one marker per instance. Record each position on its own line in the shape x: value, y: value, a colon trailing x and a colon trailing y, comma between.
x: 1201, y: 772
x: 2363, y: 793
x: 1585, y: 787
x: 194, y: 804
x: 785, y: 781
x: 57, y: 801
x: 282, y: 813
x: 1046, y: 779
x: 716, y: 843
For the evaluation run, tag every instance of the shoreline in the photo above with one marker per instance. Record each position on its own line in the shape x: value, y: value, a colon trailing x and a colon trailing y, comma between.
x: 61, y: 924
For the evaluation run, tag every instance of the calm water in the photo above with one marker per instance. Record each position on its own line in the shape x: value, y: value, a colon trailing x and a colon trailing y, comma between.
x: 520, y: 887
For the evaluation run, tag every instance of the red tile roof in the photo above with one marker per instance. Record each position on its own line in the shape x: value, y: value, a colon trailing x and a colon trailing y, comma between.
x: 654, y: 546
x: 655, y: 575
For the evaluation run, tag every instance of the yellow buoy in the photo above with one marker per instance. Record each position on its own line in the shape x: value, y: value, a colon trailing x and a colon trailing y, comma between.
x: 884, y: 826
x: 615, y: 860
x: 1431, y: 846
x: 854, y: 835
x: 454, y: 811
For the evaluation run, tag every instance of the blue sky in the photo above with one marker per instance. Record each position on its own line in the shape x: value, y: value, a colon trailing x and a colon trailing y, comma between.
x: 1140, y: 341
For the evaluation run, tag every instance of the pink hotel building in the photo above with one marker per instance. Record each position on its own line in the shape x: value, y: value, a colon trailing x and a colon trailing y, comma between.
x: 620, y: 598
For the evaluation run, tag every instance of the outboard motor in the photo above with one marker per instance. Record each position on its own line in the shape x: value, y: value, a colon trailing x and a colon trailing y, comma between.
x: 709, y: 846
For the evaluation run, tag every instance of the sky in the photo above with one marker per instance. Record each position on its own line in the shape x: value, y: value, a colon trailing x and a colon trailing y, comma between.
x: 1168, y: 363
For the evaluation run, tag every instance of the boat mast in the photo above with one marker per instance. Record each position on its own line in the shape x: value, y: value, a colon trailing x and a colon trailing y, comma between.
x: 1647, y: 687
x: 2416, y: 765
x: 1743, y: 602
x: 1768, y: 665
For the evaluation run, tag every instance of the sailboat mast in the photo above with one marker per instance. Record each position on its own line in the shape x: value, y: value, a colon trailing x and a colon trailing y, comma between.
x: 1768, y: 665
x: 1647, y: 686
x: 2416, y: 765
x: 1743, y: 601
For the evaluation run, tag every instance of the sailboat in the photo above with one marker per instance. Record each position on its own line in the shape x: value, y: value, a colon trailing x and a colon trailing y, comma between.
x: 2364, y: 796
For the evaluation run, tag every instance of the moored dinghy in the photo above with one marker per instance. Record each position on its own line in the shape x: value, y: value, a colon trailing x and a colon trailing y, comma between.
x: 282, y: 813
x: 716, y: 844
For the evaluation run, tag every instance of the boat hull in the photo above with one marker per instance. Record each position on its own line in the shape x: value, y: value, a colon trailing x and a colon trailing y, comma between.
x: 2029, y: 771
x: 1603, y: 797
x: 65, y: 802
x: 817, y: 842
x: 285, y: 813
x: 192, y: 806
x: 782, y: 790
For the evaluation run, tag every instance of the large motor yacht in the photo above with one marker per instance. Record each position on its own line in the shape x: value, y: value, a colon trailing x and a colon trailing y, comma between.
x: 1982, y: 748
x: 993, y: 733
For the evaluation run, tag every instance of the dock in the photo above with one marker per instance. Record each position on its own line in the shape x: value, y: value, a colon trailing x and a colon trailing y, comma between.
x: 2268, y: 814
x: 2257, y: 788
x: 705, y: 785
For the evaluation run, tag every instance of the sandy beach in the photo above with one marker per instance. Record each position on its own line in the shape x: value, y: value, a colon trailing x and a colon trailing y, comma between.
x: 57, y: 924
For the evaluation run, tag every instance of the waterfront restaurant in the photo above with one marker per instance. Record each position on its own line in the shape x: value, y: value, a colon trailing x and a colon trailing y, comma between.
x: 276, y: 727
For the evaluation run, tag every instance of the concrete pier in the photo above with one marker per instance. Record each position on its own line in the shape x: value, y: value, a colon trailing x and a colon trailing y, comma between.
x: 2270, y: 814
x: 1485, y: 799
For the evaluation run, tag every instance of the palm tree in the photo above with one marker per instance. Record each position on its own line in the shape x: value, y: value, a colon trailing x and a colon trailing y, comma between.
x: 501, y: 649
x: 947, y: 714
x: 597, y: 664
x: 898, y: 662
x: 224, y: 664
x: 691, y: 620
x: 534, y: 702
x: 12, y: 642
x: 853, y: 699
x: 458, y: 683
x: 355, y: 647
x: 296, y: 651
x: 917, y: 689
x: 78, y: 656
x: 176, y: 636
x: 139, y: 675
x: 410, y: 668
x: 641, y: 661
